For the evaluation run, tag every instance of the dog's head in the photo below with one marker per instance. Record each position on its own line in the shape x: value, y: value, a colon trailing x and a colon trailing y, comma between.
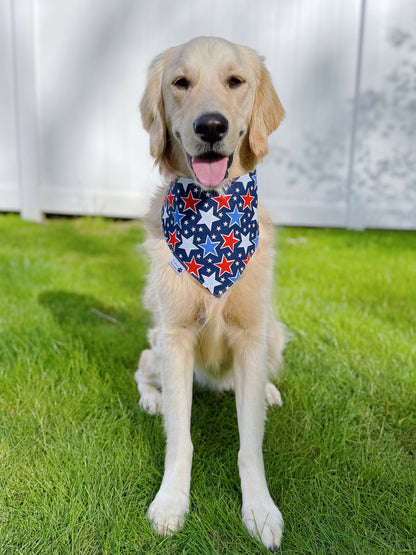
x: 209, y: 107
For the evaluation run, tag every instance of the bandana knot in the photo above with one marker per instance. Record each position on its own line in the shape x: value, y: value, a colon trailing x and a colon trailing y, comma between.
x: 211, y: 236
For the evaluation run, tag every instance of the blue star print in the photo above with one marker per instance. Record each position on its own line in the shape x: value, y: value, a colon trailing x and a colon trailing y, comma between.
x: 235, y: 217
x: 210, y: 247
x: 177, y: 217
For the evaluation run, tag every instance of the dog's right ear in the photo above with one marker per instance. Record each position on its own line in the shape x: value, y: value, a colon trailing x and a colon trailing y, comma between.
x: 267, y: 113
x: 152, y: 109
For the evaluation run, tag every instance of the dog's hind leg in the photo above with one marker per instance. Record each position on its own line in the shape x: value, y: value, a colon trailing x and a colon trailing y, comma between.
x: 148, y: 377
x: 276, y: 339
x: 273, y: 396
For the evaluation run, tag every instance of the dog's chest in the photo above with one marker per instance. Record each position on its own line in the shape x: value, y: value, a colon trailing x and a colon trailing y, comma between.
x: 216, y: 326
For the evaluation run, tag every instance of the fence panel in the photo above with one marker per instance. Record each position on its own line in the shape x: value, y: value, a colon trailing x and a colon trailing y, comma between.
x: 385, y: 149
x: 73, y: 73
x: 313, y: 56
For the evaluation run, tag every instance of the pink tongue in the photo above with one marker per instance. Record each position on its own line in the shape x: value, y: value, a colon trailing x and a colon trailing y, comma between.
x: 210, y: 173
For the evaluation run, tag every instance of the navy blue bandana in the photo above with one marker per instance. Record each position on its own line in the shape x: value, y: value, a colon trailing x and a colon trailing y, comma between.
x: 211, y: 236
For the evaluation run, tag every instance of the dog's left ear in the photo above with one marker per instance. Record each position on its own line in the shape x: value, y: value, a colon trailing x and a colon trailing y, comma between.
x: 152, y: 109
x: 266, y: 116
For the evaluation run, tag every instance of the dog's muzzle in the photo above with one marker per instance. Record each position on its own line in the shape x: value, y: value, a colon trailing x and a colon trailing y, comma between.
x: 210, y: 166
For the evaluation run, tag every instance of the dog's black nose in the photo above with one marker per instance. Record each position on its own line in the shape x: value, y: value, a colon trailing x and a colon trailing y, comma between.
x: 211, y: 128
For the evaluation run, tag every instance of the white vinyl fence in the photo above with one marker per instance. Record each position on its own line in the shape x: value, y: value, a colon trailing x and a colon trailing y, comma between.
x: 72, y: 73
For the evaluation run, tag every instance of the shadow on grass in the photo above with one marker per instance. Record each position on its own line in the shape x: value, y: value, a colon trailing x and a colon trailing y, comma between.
x: 114, y: 340
x: 71, y: 309
x: 107, y: 333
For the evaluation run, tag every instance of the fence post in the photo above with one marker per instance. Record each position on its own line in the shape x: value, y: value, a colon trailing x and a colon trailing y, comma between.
x: 24, y: 51
x: 355, y: 205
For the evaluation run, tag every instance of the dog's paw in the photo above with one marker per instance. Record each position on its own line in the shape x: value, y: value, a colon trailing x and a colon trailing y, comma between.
x: 168, y: 512
x: 150, y: 396
x: 273, y: 396
x: 264, y: 521
x: 150, y: 399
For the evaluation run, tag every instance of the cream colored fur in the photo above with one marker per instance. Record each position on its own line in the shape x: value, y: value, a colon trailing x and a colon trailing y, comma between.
x: 231, y: 342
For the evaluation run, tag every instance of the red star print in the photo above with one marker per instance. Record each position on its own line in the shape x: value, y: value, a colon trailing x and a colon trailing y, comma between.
x: 247, y: 200
x: 247, y: 259
x: 229, y: 241
x: 170, y: 197
x: 224, y: 265
x: 193, y: 267
x: 173, y: 239
x: 190, y: 202
x: 223, y: 201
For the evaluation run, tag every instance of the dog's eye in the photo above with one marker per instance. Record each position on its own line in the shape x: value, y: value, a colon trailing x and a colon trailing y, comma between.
x: 182, y: 83
x: 234, y: 82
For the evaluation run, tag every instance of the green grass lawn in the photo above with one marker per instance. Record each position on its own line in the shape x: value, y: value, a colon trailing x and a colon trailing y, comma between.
x: 80, y: 462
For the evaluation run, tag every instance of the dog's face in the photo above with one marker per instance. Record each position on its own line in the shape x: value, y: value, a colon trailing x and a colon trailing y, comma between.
x: 209, y: 107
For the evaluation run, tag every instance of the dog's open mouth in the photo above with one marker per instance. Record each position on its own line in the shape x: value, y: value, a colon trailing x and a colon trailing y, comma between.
x: 210, y: 168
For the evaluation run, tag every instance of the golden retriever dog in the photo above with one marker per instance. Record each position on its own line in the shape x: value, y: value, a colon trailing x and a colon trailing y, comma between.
x: 209, y: 107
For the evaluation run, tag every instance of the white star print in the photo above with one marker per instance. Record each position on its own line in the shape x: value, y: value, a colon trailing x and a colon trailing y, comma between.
x: 245, y: 179
x: 256, y: 214
x: 245, y: 242
x: 207, y: 218
x: 185, y: 183
x: 210, y: 282
x: 165, y: 214
x: 188, y: 244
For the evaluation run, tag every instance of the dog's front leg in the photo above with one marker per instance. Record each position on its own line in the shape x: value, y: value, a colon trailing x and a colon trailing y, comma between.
x: 261, y: 516
x: 168, y: 509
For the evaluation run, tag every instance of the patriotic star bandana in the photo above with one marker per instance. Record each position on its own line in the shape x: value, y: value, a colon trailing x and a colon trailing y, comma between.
x: 211, y: 236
